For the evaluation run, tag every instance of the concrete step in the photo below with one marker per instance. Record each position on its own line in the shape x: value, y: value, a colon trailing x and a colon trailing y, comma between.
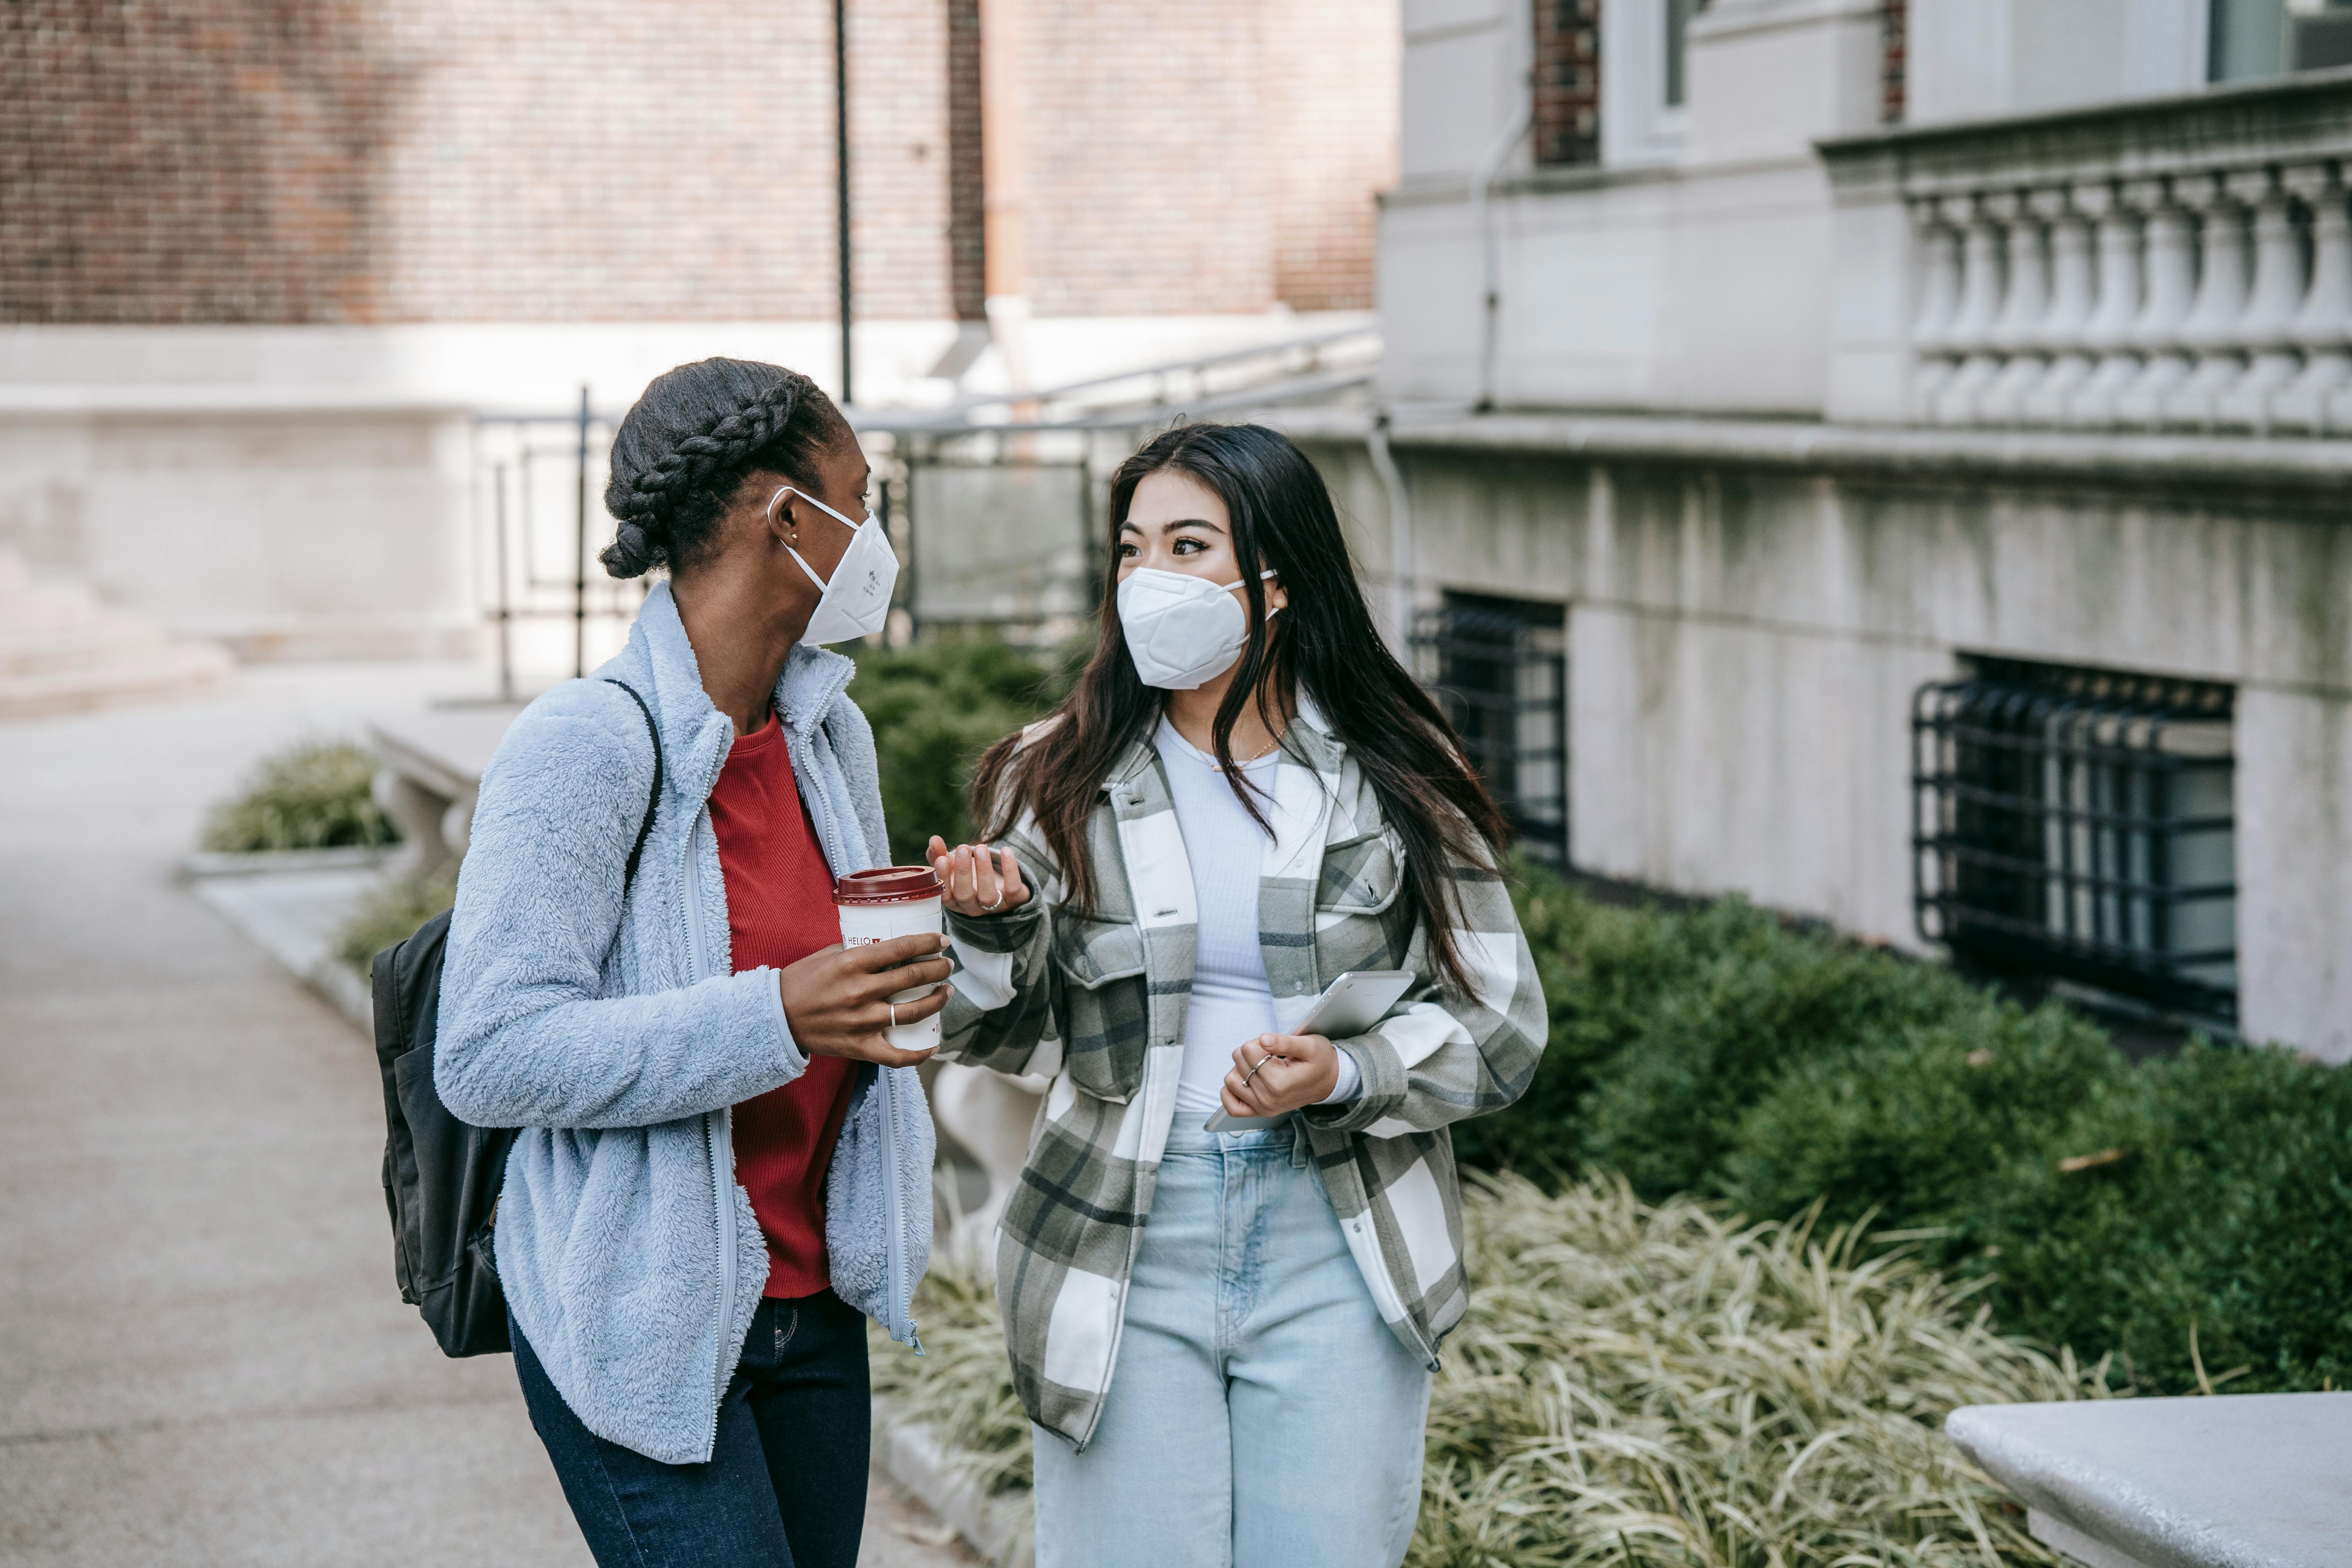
x: 50, y: 604
x: 106, y: 637
x: 62, y: 652
x: 172, y: 669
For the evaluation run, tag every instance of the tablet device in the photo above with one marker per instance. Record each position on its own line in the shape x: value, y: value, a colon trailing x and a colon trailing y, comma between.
x: 1349, y: 1005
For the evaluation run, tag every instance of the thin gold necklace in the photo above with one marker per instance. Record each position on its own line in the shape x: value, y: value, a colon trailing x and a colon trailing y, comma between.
x: 1238, y: 761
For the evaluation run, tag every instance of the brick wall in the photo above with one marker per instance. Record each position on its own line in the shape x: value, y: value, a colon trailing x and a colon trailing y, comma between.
x: 1220, y: 156
x: 967, y: 211
x: 190, y: 164
x: 1328, y: 74
x: 307, y: 160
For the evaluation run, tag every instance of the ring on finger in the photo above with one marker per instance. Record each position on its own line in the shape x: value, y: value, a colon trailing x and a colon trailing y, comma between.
x: 991, y: 909
x: 1253, y: 1072
x: 893, y: 1013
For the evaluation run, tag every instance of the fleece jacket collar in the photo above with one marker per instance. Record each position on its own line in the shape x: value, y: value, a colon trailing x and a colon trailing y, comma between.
x: 696, y: 736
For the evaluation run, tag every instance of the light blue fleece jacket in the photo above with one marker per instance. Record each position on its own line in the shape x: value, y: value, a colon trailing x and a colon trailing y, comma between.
x: 617, y: 1035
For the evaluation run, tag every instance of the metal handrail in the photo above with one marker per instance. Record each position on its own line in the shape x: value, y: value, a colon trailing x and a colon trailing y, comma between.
x: 955, y: 415
x: 1204, y: 362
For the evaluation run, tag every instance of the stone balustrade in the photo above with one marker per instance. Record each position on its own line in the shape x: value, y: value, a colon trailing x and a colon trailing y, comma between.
x: 2179, y: 264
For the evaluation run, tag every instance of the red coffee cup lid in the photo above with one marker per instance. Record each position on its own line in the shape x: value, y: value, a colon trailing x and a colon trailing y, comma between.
x: 887, y: 885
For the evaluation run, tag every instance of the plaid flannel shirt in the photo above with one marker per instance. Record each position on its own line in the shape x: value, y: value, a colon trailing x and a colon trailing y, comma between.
x: 1096, y: 1001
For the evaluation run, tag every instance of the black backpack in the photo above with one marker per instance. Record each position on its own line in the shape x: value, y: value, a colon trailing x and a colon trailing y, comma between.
x: 441, y: 1176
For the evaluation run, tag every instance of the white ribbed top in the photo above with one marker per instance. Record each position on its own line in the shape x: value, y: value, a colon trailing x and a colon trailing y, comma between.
x: 1230, y: 1000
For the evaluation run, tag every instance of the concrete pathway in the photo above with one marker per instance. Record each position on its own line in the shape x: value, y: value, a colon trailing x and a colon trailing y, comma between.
x: 203, y: 1357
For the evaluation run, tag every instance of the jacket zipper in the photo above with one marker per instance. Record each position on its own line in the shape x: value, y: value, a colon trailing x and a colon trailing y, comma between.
x: 902, y: 1302
x: 717, y: 1141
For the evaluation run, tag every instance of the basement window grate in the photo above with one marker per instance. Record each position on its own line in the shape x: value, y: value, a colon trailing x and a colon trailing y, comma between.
x: 2078, y: 825
x: 1498, y: 669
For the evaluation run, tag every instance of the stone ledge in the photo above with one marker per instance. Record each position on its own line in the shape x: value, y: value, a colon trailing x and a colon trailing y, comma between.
x: 910, y: 1453
x: 1889, y: 451
x: 2247, y: 1481
x: 293, y: 911
x: 222, y: 399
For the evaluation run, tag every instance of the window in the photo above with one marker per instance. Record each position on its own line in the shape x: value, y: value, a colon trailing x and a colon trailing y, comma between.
x: 1568, y: 81
x: 1498, y: 669
x: 1678, y: 19
x: 2077, y: 824
x: 2249, y: 39
x: 1644, y: 79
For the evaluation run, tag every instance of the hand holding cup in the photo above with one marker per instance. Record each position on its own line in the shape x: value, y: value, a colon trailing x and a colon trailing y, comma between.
x: 837, y: 999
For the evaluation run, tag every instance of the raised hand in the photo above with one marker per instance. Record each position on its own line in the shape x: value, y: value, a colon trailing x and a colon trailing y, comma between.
x: 977, y: 879
x: 1276, y: 1073
x: 837, y: 999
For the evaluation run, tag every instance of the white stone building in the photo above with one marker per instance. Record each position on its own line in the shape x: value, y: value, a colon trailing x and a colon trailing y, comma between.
x: 1887, y: 460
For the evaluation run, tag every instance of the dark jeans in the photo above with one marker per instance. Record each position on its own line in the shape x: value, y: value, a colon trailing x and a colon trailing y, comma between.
x: 785, y: 1487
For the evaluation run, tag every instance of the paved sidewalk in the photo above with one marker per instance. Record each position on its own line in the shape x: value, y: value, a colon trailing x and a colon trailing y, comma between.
x: 203, y: 1358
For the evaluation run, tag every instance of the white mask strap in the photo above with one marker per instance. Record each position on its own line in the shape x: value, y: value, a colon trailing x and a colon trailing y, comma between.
x: 1271, y: 610
x: 784, y: 490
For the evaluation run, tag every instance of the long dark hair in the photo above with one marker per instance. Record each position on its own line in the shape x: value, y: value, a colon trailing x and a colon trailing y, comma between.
x: 692, y: 439
x: 1323, y: 644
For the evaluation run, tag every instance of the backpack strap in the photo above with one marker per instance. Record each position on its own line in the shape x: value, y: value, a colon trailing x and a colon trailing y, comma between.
x: 653, y: 800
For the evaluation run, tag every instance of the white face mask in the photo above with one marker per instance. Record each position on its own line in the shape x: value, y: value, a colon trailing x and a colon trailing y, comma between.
x: 857, y: 602
x: 1182, y: 630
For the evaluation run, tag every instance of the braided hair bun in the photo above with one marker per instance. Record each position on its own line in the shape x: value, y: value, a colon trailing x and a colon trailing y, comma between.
x: 684, y: 449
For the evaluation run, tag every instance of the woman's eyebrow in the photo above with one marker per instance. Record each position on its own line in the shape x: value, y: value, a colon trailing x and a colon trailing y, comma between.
x: 1172, y: 526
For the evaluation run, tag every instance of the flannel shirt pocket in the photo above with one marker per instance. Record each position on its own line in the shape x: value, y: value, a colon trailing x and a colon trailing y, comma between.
x: 1106, y: 1002
x: 1361, y: 876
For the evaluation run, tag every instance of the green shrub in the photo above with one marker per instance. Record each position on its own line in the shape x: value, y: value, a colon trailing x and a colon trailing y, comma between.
x: 1666, y: 1027
x: 2216, y: 1199
x: 310, y: 796
x: 1666, y: 1106
x: 935, y: 708
x: 393, y: 913
x: 1914, y: 1127
x: 1636, y: 1385
x: 1602, y: 970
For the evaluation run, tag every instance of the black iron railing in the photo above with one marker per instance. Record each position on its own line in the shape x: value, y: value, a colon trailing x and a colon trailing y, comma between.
x: 540, y: 522
x: 2077, y: 824
x: 1498, y: 669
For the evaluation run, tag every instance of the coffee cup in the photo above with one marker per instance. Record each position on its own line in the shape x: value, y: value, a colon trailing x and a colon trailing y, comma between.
x: 886, y: 902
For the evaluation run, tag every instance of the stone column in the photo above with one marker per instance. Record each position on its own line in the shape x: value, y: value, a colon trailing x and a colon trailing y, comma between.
x: 1972, y: 324
x: 2107, y: 336
x: 2018, y: 333
x: 2217, y: 319
x: 2267, y: 330
x: 2072, y: 296
x: 2169, y: 280
x: 2323, y: 327
x: 1939, y: 246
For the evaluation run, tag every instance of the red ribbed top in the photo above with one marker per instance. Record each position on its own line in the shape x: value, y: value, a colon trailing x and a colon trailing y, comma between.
x: 779, y: 910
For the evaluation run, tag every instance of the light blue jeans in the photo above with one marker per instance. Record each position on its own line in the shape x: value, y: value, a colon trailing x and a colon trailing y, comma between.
x: 1260, y: 1414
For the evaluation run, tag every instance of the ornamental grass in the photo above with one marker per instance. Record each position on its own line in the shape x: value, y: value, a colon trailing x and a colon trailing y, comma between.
x: 313, y: 795
x: 1642, y: 1385
x: 1650, y: 1384
x: 390, y: 915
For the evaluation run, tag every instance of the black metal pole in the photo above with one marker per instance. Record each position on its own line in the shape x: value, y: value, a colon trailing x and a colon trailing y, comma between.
x: 913, y: 576
x: 841, y: 173
x: 579, y: 575
x: 505, y: 595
